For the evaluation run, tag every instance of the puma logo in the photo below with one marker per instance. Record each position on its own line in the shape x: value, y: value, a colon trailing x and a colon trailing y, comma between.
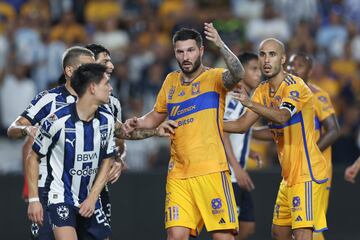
x: 71, y: 142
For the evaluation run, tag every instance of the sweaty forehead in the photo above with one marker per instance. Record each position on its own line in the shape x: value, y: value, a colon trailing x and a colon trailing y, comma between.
x: 271, y: 46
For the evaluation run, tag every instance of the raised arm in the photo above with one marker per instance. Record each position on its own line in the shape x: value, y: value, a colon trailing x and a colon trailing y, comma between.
x: 235, y: 69
x: 332, y: 132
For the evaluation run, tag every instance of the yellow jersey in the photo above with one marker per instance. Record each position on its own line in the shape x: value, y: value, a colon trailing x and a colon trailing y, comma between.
x: 300, y: 158
x: 198, y: 108
x: 323, y: 109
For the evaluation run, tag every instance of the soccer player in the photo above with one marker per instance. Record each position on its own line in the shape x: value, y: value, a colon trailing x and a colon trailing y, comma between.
x: 287, y: 102
x: 239, y: 151
x: 198, y: 188
x: 46, y: 103
x: 78, y: 143
x: 352, y: 171
x: 41, y: 107
x: 326, y: 124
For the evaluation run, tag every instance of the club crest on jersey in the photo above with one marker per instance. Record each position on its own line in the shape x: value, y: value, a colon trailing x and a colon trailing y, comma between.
x: 103, y: 138
x: 63, y: 212
x: 294, y: 95
x: 171, y: 92
x: 195, y: 88
x: 322, y: 99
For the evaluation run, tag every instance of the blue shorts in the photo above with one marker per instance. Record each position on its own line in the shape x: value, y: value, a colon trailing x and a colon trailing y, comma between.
x: 244, y: 204
x: 45, y: 231
x: 62, y: 214
x: 105, y: 203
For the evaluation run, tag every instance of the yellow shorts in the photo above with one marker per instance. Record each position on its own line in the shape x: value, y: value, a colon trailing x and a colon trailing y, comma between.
x: 196, y: 201
x: 301, y: 206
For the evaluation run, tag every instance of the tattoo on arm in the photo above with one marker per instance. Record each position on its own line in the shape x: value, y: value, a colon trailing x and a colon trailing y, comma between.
x: 137, y: 134
x: 236, y: 70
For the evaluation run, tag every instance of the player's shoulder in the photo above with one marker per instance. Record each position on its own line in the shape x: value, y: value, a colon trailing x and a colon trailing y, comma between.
x: 316, y: 89
x: 105, y: 112
x: 291, y: 79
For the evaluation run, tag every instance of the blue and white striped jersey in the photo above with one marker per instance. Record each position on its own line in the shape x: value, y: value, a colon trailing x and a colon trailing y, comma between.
x: 46, y: 103
x: 74, y: 150
x: 240, y: 142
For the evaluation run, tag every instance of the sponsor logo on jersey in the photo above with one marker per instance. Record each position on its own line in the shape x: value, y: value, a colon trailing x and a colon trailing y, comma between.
x: 83, y: 172
x: 177, y: 111
x: 63, y: 212
x: 83, y: 157
x: 185, y: 122
x: 298, y: 219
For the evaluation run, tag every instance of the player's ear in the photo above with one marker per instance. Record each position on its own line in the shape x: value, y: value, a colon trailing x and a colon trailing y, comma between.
x: 92, y: 88
x: 201, y: 51
x: 283, y: 59
x: 68, y: 71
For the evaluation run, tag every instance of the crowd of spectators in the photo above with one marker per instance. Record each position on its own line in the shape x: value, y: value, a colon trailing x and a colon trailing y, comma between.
x: 35, y: 33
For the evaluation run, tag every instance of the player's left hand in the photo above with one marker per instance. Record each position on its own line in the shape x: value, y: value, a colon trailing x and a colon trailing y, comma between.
x: 350, y: 173
x: 115, y: 172
x: 87, y: 207
x: 212, y: 34
x: 36, y: 213
x: 166, y: 128
x: 240, y: 94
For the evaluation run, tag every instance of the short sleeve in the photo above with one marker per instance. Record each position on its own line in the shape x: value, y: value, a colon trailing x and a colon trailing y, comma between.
x: 323, y: 106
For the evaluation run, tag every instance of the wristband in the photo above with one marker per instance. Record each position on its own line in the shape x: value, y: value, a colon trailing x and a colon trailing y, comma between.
x: 34, y: 199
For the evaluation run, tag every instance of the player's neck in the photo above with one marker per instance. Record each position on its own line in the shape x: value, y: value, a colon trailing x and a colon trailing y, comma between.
x: 276, y: 81
x: 188, y: 78
x: 86, y: 108
x: 69, y: 88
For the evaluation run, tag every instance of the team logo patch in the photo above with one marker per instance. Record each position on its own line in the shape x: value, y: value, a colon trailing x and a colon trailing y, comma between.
x: 294, y: 95
x: 195, y: 88
x: 216, y: 203
x: 63, y: 212
x: 34, y: 230
x: 182, y: 93
x: 171, y: 92
x: 322, y: 99
x: 296, y: 201
x: 277, y: 210
x: 103, y: 138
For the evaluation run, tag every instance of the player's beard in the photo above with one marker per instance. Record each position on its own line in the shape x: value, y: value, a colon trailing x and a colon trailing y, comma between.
x: 196, y: 66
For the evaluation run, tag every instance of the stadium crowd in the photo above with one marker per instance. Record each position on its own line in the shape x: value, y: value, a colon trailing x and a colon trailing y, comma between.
x: 35, y: 33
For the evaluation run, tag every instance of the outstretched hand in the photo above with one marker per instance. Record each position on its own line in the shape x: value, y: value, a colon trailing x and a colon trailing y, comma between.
x: 130, y: 125
x: 212, y: 34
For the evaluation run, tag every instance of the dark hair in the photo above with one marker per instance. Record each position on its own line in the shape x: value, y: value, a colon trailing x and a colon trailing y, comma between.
x: 308, y: 59
x: 246, y: 57
x: 96, y: 49
x: 86, y: 74
x: 186, y: 34
x: 71, y: 55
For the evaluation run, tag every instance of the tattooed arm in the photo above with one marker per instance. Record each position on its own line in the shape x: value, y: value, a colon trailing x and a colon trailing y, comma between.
x: 235, y: 68
x: 137, y: 134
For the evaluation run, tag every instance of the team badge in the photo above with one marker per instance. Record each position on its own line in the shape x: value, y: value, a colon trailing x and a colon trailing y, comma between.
x: 195, y: 88
x: 296, y: 201
x: 294, y: 95
x: 103, y: 138
x: 322, y: 99
x: 34, y: 230
x: 171, y: 92
x: 216, y: 203
x: 63, y: 212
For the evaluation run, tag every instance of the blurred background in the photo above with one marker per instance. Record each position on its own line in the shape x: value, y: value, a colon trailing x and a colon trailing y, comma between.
x: 35, y: 33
